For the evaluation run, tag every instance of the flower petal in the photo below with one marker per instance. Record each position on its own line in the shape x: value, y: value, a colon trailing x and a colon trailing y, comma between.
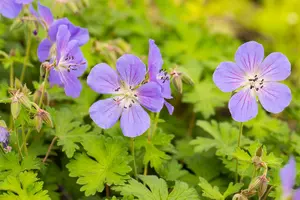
x: 131, y: 69
x: 275, y: 67
x: 103, y: 79
x: 77, y: 33
x: 274, y: 97
x: 44, y: 50
x: 46, y: 14
x: 24, y: 1
x: 62, y: 40
x: 243, y: 106
x: 105, y: 113
x: 228, y: 77
x: 150, y: 96
x: 296, y: 195
x: 71, y: 84
x: 169, y: 107
x: 249, y: 56
x: 288, y: 176
x: 9, y: 8
x: 155, y: 60
x: 54, y: 78
x: 134, y: 121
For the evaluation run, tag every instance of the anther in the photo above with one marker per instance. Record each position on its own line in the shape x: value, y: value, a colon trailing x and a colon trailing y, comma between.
x: 251, y: 87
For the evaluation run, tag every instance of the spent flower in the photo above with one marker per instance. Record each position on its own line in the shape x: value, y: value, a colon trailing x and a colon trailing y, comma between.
x: 130, y: 94
x: 255, y: 77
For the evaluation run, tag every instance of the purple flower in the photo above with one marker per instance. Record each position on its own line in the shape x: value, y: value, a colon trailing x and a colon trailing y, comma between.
x: 68, y: 63
x: 43, y: 15
x: 157, y: 74
x: 76, y: 33
x: 288, y: 176
x: 255, y: 77
x: 4, y: 136
x: 129, y: 95
x: 12, y: 8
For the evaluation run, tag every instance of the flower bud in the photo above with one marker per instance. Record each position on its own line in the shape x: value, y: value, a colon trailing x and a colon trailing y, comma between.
x: 25, y: 100
x: 38, y: 94
x: 254, y: 184
x: 86, y: 3
x: 239, y: 197
x: 18, y: 84
x: 177, y: 82
x: 262, y: 188
x: 15, y: 108
x: 187, y: 79
x: 259, y: 151
x: 3, y: 124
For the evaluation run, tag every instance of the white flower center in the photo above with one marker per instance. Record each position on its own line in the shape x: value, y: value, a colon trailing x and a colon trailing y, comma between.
x: 127, y: 97
x: 255, y: 83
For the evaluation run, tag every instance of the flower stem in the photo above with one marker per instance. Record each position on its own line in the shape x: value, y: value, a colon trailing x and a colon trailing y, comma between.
x: 43, y: 88
x: 238, y: 145
x: 133, y: 155
x: 24, y: 140
x: 49, y: 149
x: 17, y: 137
x: 26, y: 55
x: 11, y: 74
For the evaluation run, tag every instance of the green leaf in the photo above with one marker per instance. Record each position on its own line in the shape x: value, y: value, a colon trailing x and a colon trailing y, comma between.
x: 106, y: 161
x: 172, y: 170
x: 210, y: 191
x: 232, y: 188
x: 25, y: 186
x: 158, y: 189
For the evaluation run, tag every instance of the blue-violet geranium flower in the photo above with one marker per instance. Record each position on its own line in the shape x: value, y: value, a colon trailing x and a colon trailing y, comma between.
x: 288, y: 177
x: 129, y: 95
x: 157, y: 74
x: 12, y: 8
x: 4, y: 136
x: 67, y: 63
x: 255, y: 76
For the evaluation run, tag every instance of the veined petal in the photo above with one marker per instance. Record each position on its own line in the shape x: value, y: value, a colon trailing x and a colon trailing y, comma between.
x: 44, y: 50
x: 274, y: 97
x: 169, y: 107
x: 243, y: 105
x: 249, y: 56
x: 54, y: 78
x: 77, y: 33
x: 150, y: 96
x: 288, y: 176
x: 105, y: 113
x: 71, y: 84
x: 275, y: 67
x: 155, y: 60
x: 62, y: 40
x: 46, y: 14
x: 134, y: 121
x: 228, y: 77
x: 9, y: 8
x: 131, y: 69
x: 24, y: 1
x: 103, y: 79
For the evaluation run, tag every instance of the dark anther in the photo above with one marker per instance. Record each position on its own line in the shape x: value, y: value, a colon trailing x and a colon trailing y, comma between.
x: 132, y: 101
x: 255, y: 76
x: 130, y: 105
x: 166, y: 73
x: 125, y: 107
x: 116, y: 90
x: 250, y: 79
x: 257, y: 89
x: 261, y: 87
x: 114, y: 100
x: 135, y: 95
x: 161, y: 70
x: 261, y: 83
x: 251, y: 86
x: 161, y: 78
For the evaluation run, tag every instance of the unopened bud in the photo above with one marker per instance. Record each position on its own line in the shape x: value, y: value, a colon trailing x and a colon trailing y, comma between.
x: 86, y: 3
x: 38, y: 94
x: 177, y: 82
x: 3, y: 124
x: 239, y: 197
x: 260, y: 183
x: 187, y: 79
x: 263, y: 188
x: 15, y: 108
x: 259, y: 151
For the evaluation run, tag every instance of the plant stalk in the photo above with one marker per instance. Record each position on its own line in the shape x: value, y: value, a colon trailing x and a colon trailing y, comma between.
x: 26, y: 55
x: 238, y: 145
x: 49, y: 149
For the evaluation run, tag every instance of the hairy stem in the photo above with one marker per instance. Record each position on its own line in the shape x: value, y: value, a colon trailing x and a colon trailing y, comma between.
x: 43, y: 88
x: 49, y: 149
x: 133, y: 155
x: 11, y: 74
x: 26, y: 55
x: 24, y: 140
x: 238, y: 145
x: 17, y: 138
